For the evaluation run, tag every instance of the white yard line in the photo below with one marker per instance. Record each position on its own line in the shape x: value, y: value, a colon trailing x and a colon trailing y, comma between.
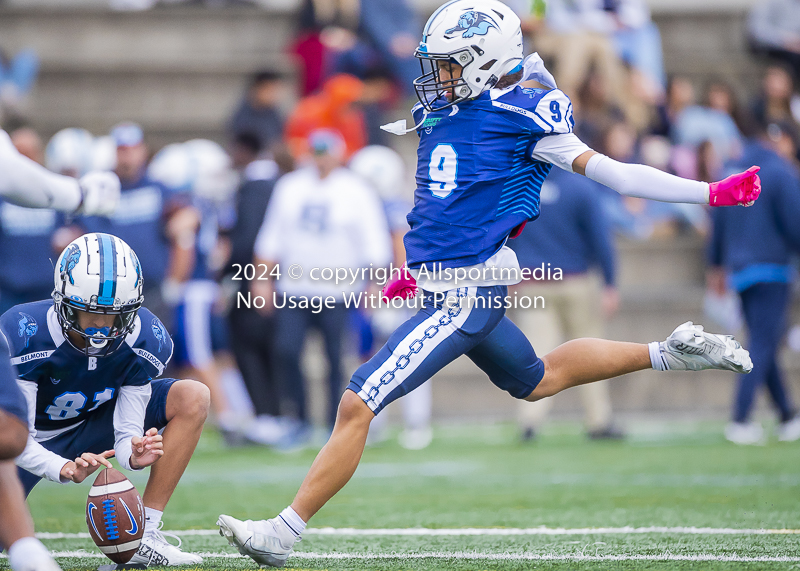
x: 477, y: 556
x: 491, y: 531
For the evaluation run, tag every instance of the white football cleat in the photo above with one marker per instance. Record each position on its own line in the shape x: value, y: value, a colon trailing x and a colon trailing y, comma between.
x: 156, y: 550
x: 747, y: 433
x: 789, y: 431
x: 259, y: 540
x: 689, y: 348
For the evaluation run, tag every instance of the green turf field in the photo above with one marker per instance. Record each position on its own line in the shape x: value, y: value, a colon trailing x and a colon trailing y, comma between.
x: 668, y: 476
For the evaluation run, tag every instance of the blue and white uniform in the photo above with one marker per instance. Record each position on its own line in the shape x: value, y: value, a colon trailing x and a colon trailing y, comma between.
x: 25, y: 253
x: 480, y: 167
x: 83, y: 403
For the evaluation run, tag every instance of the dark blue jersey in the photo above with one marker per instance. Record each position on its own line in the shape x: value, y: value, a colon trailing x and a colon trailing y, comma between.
x: 138, y: 220
x: 72, y: 385
x: 25, y: 250
x: 475, y: 178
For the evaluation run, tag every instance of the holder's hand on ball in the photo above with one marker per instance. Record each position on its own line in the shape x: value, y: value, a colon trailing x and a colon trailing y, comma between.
x: 85, y: 465
x: 147, y: 449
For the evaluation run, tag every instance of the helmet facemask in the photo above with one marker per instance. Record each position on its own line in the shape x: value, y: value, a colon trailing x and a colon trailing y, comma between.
x: 97, y: 342
x: 431, y: 90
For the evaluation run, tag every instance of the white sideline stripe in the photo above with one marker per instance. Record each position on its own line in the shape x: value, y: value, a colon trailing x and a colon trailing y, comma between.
x: 496, y: 531
x: 473, y: 556
x: 114, y: 488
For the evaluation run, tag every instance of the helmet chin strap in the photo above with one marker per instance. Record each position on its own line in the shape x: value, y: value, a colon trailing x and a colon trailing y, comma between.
x: 399, y: 127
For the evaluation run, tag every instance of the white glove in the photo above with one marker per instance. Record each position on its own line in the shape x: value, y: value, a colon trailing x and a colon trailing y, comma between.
x: 99, y: 193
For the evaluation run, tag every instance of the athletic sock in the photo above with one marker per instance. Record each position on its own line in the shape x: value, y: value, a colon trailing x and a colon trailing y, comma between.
x: 26, y: 550
x: 292, y: 521
x: 657, y: 360
x: 152, y: 517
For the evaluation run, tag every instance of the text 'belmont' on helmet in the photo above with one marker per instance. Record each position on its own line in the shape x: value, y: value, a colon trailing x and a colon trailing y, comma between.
x: 482, y: 36
x: 98, y: 273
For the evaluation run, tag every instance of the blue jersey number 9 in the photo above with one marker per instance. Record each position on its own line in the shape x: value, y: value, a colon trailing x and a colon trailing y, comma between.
x: 443, y: 170
x: 555, y: 109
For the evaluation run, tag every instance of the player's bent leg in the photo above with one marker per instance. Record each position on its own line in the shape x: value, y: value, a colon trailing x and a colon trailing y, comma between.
x: 269, y: 542
x: 26, y: 553
x: 180, y: 408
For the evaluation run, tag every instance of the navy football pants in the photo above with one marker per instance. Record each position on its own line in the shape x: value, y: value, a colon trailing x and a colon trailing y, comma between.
x: 466, y: 322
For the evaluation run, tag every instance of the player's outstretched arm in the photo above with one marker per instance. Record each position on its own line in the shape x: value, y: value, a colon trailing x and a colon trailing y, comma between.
x: 27, y: 183
x: 85, y: 465
x: 647, y: 182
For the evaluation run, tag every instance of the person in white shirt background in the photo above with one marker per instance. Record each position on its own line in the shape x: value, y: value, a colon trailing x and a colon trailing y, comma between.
x: 320, y: 216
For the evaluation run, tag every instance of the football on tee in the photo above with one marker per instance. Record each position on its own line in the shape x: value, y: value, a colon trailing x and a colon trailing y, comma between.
x: 115, y: 515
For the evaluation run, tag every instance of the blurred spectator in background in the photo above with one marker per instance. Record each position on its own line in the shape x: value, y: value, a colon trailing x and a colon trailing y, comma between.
x: 354, y: 36
x: 597, y: 111
x: 576, y: 37
x: 324, y: 25
x: 25, y: 239
x: 251, y: 331
x: 759, y: 271
x: 579, y: 36
x: 383, y: 169
x: 258, y: 113
x: 777, y: 101
x: 774, y: 27
x: 199, y: 209
x: 17, y: 78
x: 784, y: 137
x: 698, y: 123
x: 334, y: 108
x: 322, y: 216
x: 680, y: 95
x: 572, y: 234
x: 638, y: 43
x: 721, y: 97
x: 139, y: 219
x: 379, y: 97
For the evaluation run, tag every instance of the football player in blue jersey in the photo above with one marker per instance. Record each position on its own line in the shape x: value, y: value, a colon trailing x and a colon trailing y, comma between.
x: 86, y: 363
x: 486, y: 145
x: 23, y: 182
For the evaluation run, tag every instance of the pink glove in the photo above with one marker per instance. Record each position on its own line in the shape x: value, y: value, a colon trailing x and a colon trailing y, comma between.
x: 738, y: 189
x: 404, y: 287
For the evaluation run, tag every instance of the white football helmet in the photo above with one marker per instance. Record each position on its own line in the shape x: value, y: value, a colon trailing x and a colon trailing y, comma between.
x: 70, y: 152
x: 382, y: 168
x: 199, y: 166
x: 98, y: 273
x: 482, y: 36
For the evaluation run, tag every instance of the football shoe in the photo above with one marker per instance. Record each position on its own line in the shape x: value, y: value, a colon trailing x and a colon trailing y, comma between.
x: 262, y: 540
x: 689, y: 348
x: 156, y: 550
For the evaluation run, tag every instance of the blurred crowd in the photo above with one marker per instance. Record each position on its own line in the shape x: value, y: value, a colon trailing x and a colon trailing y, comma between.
x: 320, y: 186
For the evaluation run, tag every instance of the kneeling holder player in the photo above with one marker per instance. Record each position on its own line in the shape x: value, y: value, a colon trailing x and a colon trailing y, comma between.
x: 86, y: 361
